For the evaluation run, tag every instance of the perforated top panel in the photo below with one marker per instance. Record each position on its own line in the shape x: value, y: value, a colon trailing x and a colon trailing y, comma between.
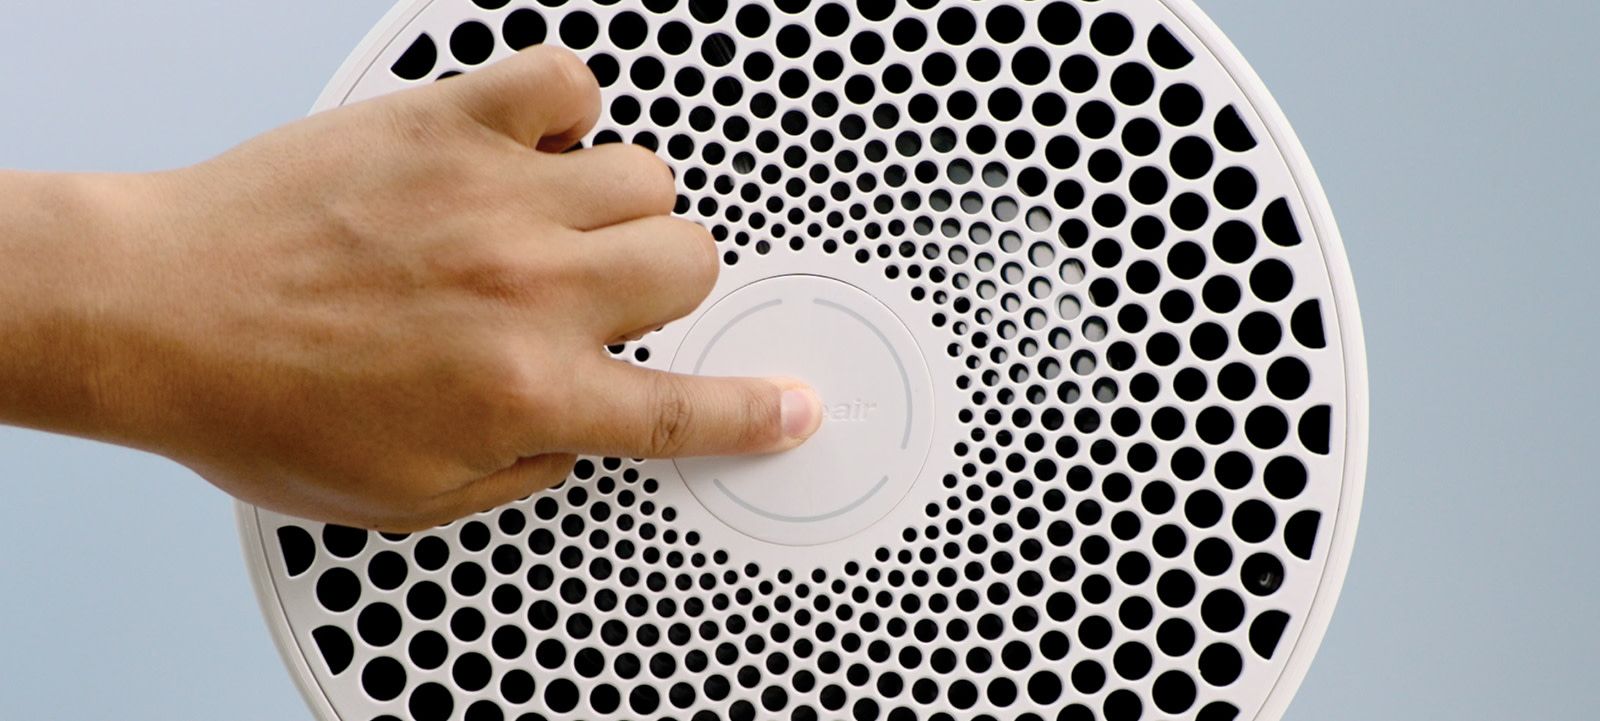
x: 1144, y: 400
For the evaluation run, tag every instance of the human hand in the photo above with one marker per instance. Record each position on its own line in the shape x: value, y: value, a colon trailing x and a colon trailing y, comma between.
x: 393, y: 314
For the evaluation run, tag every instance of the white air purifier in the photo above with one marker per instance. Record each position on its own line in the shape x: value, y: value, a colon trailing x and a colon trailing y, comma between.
x: 1095, y: 386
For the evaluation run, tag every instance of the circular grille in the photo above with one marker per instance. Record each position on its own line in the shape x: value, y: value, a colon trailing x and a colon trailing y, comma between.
x: 1147, y: 408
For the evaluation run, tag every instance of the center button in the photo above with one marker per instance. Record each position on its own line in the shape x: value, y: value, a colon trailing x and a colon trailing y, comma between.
x: 877, y: 414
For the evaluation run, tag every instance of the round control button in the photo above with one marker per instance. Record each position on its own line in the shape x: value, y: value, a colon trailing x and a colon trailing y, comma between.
x: 876, y: 396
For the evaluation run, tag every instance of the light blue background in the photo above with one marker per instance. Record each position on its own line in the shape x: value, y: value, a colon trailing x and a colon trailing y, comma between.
x: 1456, y: 139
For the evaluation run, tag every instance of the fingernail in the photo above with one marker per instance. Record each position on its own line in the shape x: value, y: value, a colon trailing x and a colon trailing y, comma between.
x: 802, y: 413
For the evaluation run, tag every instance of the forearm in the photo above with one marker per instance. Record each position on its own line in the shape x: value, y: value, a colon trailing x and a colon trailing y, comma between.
x: 61, y: 236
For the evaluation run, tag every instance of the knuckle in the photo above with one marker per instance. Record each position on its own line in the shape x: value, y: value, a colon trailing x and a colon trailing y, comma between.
x: 657, y: 184
x: 564, y: 67
x: 759, y: 421
x: 552, y: 74
x: 638, y: 158
x: 672, y: 416
x: 519, y: 393
x: 498, y: 390
x: 702, y: 266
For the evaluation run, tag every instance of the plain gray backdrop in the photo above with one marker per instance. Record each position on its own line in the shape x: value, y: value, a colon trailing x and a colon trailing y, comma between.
x: 1456, y: 140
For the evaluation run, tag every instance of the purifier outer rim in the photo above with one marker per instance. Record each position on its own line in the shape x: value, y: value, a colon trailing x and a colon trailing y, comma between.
x: 1326, y: 231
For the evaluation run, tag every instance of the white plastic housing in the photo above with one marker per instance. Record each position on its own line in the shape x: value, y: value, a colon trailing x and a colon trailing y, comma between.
x: 1095, y: 375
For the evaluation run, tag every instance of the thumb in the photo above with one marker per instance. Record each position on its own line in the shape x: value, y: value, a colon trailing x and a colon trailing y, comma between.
x: 635, y: 412
x: 543, y: 97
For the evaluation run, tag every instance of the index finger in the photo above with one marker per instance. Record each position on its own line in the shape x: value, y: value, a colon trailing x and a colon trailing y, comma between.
x: 623, y: 410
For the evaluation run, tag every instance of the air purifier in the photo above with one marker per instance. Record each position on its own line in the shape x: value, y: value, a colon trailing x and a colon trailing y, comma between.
x: 1096, y: 411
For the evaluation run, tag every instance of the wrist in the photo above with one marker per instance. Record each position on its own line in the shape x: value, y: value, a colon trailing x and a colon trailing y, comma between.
x: 67, y: 243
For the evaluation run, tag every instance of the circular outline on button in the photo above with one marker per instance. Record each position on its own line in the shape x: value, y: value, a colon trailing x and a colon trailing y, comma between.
x: 905, y: 378
x: 851, y: 506
x: 905, y: 381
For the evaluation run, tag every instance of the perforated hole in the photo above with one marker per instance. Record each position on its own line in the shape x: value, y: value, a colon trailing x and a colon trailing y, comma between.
x: 1077, y: 211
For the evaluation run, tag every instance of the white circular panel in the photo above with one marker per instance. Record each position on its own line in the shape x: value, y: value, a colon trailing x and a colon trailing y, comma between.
x: 877, y: 410
x: 1080, y: 234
